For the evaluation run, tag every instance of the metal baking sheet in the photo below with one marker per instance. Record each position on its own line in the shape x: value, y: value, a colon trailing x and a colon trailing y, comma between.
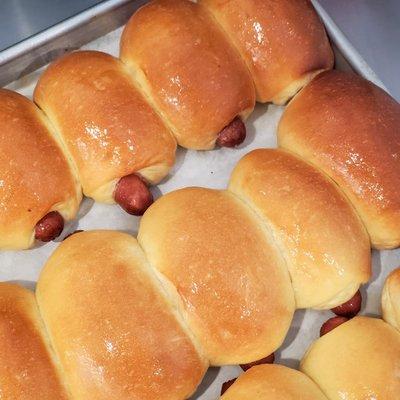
x: 38, y: 50
x: 209, y: 169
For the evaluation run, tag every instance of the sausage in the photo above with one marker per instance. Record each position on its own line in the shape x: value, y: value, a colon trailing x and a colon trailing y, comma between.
x: 133, y: 195
x: 351, y: 308
x: 49, y: 227
x: 233, y: 134
x: 267, y: 360
x: 226, y: 385
x: 331, y: 324
x: 73, y: 233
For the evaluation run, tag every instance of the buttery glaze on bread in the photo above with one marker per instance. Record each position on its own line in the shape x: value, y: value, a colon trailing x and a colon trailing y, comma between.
x: 114, y: 326
x: 224, y: 264
x: 357, y: 360
x: 188, y: 69
x: 283, y: 42
x: 325, y: 244
x: 391, y: 299
x: 107, y: 126
x: 273, y: 382
x: 27, y: 366
x: 350, y: 129
x: 36, y: 177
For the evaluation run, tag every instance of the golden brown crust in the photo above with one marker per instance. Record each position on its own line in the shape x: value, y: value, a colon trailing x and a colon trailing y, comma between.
x: 35, y: 175
x: 107, y: 126
x: 273, y: 382
x: 112, y: 324
x: 321, y: 237
x: 233, y: 283
x: 283, y: 42
x: 184, y: 63
x: 350, y: 129
x: 27, y: 368
x: 357, y: 360
x: 391, y: 299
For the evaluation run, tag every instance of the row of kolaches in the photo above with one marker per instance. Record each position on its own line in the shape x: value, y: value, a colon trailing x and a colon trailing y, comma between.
x: 215, y: 276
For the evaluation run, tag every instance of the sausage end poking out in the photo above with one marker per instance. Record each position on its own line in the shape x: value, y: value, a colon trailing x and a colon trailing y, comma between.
x: 351, y: 308
x: 49, y: 227
x: 331, y: 324
x: 133, y: 195
x: 233, y: 134
x: 267, y: 360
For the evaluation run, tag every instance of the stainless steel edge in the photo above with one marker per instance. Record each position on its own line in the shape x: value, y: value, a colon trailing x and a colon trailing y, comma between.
x: 346, y: 49
x: 76, y: 31
x: 68, y: 35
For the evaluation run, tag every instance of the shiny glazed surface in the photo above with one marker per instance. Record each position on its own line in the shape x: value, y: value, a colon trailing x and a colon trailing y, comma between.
x: 273, y: 382
x: 27, y: 371
x: 281, y: 41
x: 350, y: 129
x: 107, y: 126
x: 182, y: 59
x: 35, y: 175
x: 231, y: 278
x: 321, y: 237
x: 114, y: 330
x: 360, y: 359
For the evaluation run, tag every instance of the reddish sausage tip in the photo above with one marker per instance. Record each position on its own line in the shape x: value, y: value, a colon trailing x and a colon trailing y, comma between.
x: 133, y: 195
x: 73, y: 233
x: 49, y: 227
x: 267, y: 360
x: 351, y: 308
x: 226, y: 385
x: 233, y: 134
x: 331, y: 324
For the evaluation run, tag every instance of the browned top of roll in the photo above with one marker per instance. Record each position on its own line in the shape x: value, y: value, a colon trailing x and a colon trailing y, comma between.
x: 283, y: 42
x: 350, y: 129
x: 322, y: 238
x: 233, y: 283
x: 27, y: 369
x: 183, y: 61
x: 273, y: 382
x: 113, y: 325
x: 35, y: 175
x: 108, y: 127
x: 357, y: 360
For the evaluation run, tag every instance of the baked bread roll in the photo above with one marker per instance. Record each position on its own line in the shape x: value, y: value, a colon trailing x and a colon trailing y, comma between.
x: 114, y: 324
x: 273, y: 382
x: 391, y: 299
x: 350, y: 129
x: 283, y: 42
x: 109, y: 129
x: 192, y: 75
x: 223, y: 262
x: 27, y: 367
x: 325, y: 244
x: 38, y: 188
x: 357, y: 360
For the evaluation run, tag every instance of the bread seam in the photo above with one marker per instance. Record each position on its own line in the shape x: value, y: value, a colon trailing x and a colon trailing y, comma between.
x: 266, y: 227
x: 55, y: 133
x: 52, y: 352
x: 171, y: 294
x: 134, y: 71
x: 328, y: 178
x: 232, y: 44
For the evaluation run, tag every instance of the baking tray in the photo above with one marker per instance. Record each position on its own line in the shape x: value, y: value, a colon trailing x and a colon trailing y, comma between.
x: 72, y: 33
x: 210, y: 169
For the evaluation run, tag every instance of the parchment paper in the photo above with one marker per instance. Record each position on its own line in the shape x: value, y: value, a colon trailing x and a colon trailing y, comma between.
x: 195, y: 168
